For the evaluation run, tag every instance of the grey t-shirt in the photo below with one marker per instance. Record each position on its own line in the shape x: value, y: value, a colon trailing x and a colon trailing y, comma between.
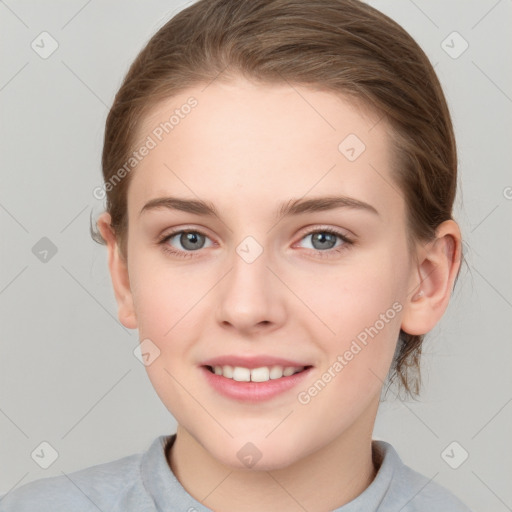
x: 144, y: 482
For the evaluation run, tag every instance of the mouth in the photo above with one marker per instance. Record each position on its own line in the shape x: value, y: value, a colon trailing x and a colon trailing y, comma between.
x: 255, y: 384
x: 261, y: 374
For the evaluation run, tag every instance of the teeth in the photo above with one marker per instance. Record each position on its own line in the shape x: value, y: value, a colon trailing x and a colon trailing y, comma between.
x: 288, y: 371
x: 227, y: 371
x: 262, y: 374
x: 241, y: 374
x: 276, y: 372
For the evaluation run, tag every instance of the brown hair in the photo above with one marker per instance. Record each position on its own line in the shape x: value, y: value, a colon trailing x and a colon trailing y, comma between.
x: 340, y: 46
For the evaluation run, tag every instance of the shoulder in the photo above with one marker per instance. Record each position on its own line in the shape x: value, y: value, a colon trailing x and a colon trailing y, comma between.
x: 417, y: 493
x: 101, y: 487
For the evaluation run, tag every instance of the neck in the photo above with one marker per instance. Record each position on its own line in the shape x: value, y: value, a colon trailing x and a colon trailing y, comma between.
x: 324, y: 480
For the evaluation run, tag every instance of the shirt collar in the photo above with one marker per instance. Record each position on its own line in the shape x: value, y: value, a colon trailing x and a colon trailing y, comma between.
x: 166, y: 491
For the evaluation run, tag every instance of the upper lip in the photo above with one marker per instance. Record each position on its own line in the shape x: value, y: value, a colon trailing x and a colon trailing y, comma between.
x: 250, y: 362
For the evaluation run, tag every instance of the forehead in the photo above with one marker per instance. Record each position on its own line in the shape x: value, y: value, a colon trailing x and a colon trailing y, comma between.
x: 229, y: 140
x: 303, y: 112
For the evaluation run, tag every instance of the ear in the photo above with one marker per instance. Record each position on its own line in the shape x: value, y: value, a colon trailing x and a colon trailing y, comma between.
x: 433, y: 279
x: 118, y: 273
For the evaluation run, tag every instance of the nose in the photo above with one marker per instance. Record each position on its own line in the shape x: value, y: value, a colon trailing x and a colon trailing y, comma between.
x: 251, y: 297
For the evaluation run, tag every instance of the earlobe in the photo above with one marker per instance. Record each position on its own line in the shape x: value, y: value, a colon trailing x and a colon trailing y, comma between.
x: 118, y: 273
x: 432, y: 283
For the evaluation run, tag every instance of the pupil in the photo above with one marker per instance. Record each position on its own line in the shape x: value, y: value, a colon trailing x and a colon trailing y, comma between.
x: 325, y: 239
x: 189, y: 239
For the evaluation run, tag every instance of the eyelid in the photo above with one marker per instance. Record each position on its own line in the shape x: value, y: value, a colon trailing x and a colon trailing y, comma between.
x: 305, y: 231
x: 178, y: 229
x: 180, y: 253
x: 347, y: 240
x: 313, y: 228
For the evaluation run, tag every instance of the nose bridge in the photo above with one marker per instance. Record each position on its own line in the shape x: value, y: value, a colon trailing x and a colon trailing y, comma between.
x: 248, y: 295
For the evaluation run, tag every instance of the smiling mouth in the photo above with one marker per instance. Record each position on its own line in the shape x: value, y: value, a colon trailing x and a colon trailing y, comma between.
x: 261, y: 374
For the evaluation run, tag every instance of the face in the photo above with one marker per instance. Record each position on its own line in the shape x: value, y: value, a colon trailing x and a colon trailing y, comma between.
x: 275, y: 318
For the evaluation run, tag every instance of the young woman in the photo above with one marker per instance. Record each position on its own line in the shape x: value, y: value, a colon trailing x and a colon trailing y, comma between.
x: 279, y: 177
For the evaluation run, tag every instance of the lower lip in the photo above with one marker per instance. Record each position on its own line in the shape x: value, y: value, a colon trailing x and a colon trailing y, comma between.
x: 253, y: 391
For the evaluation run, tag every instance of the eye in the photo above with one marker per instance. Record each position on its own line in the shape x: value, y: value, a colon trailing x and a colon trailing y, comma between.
x: 326, y: 240
x: 188, y: 242
x: 184, y: 243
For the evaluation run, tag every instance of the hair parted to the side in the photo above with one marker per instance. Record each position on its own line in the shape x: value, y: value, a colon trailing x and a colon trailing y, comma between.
x: 341, y: 46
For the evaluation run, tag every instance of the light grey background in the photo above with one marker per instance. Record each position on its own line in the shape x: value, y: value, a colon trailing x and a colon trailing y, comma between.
x: 68, y: 375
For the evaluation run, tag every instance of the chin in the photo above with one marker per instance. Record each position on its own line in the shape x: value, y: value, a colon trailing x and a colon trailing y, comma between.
x: 258, y: 455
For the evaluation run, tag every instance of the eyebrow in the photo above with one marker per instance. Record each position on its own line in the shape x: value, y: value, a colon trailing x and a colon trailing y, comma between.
x: 291, y: 207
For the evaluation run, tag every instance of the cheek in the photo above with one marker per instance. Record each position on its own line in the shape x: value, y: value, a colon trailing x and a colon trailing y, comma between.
x: 171, y: 306
x: 360, y: 308
x: 352, y: 297
x: 166, y: 306
x: 164, y: 297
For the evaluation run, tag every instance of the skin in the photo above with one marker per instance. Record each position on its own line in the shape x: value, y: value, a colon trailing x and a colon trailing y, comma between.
x: 248, y: 148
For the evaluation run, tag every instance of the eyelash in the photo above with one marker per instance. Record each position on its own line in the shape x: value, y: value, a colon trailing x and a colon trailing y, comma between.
x: 321, y: 254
